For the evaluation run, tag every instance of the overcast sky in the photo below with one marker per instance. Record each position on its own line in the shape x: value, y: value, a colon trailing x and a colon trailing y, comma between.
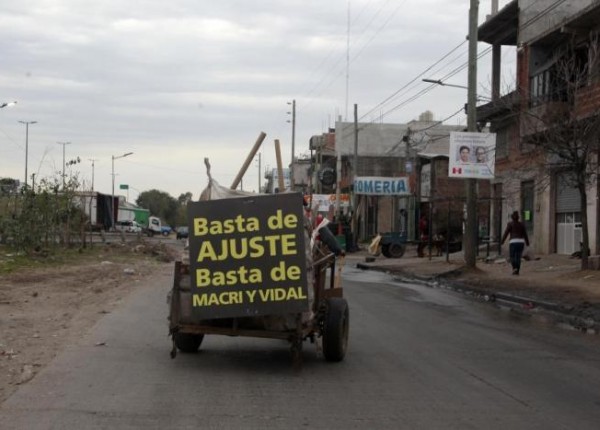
x: 177, y: 81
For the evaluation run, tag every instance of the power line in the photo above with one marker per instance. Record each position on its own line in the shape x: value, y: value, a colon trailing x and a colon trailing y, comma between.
x: 421, y: 93
x: 414, y: 79
x: 339, y: 58
x: 541, y: 13
x: 336, y: 64
x: 426, y: 90
x: 389, y: 18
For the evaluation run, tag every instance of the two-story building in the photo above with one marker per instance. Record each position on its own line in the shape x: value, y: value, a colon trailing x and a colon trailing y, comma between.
x: 548, y: 127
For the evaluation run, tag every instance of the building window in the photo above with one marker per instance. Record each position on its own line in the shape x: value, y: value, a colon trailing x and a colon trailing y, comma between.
x: 501, y: 143
x: 542, y: 88
x: 572, y: 67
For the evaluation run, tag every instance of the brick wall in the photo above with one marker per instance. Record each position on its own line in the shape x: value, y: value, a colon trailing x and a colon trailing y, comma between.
x: 587, y: 100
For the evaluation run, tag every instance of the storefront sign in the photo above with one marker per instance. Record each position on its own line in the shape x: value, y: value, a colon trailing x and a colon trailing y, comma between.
x: 378, y: 186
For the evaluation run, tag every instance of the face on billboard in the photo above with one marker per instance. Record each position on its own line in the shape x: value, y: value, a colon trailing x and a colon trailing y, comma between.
x: 480, y: 155
x: 464, y: 154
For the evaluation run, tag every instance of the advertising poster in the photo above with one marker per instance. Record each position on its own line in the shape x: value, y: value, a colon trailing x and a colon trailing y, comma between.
x: 472, y: 155
x: 323, y: 202
x: 247, y: 256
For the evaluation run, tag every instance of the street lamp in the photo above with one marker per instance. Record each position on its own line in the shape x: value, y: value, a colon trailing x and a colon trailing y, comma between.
x: 439, y: 82
x: 93, y: 160
x: 63, y: 169
x: 26, y: 145
x: 114, y: 212
x: 3, y: 105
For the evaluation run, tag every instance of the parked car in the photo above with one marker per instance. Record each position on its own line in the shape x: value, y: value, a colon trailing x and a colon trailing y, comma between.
x: 166, y: 230
x: 182, y: 232
x: 128, y: 226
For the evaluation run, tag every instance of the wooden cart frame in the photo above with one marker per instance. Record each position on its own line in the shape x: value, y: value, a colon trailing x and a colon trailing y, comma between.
x: 329, y: 323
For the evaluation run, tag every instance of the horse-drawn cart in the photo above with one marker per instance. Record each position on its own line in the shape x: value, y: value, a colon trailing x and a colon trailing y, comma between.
x: 256, y: 269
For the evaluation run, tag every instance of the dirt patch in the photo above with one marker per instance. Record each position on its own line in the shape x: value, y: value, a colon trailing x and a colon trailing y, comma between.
x: 42, y: 309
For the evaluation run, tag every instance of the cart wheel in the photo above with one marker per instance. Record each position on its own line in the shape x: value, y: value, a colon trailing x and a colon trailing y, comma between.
x: 187, y: 342
x: 396, y: 250
x: 335, y: 330
x: 385, y: 250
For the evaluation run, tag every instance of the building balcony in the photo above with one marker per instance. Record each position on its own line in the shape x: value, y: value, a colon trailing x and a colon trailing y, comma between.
x: 502, y: 27
x: 499, y: 109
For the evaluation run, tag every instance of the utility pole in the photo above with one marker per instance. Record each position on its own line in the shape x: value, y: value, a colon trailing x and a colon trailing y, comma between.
x: 93, y: 160
x: 470, y: 236
x: 355, y: 171
x: 347, y: 61
x: 293, y: 143
x: 63, y: 169
x: 27, y: 145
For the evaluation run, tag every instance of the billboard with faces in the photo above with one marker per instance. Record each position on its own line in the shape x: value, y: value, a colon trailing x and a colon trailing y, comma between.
x: 472, y: 155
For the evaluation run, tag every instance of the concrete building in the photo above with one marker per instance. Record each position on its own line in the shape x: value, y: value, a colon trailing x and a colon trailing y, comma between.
x: 413, y: 155
x: 552, y: 108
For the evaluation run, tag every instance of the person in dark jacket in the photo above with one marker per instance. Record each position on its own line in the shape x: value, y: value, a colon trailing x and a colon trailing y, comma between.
x: 518, y: 239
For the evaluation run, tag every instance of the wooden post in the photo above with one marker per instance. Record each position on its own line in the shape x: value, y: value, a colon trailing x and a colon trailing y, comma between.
x: 249, y: 159
x: 279, y: 166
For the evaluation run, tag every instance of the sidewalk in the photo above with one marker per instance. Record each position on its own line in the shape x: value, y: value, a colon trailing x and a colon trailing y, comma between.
x: 553, y: 284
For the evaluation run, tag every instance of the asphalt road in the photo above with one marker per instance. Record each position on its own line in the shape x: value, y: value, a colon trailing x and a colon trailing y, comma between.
x: 418, y: 358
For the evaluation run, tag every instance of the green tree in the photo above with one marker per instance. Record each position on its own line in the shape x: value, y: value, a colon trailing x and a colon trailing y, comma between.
x: 8, y: 186
x: 183, y: 200
x: 160, y: 204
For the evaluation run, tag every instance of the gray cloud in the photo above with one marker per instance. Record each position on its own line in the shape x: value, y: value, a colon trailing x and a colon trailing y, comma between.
x: 178, y: 81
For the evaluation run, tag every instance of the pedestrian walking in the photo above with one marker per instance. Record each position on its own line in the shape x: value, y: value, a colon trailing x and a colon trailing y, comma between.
x: 516, y: 244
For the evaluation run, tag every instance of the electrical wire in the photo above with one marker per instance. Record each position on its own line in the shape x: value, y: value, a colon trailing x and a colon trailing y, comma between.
x: 341, y: 68
x: 541, y: 13
x: 340, y: 57
x: 426, y: 90
x: 414, y: 79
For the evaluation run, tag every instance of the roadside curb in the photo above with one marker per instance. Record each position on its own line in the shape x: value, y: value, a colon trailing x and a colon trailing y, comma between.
x: 544, y: 311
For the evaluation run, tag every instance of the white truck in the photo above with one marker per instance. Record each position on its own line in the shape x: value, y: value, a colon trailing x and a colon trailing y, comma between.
x: 154, y: 226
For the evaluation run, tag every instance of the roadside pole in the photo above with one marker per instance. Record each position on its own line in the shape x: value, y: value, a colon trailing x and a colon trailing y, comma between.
x: 470, y: 234
x: 354, y: 196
